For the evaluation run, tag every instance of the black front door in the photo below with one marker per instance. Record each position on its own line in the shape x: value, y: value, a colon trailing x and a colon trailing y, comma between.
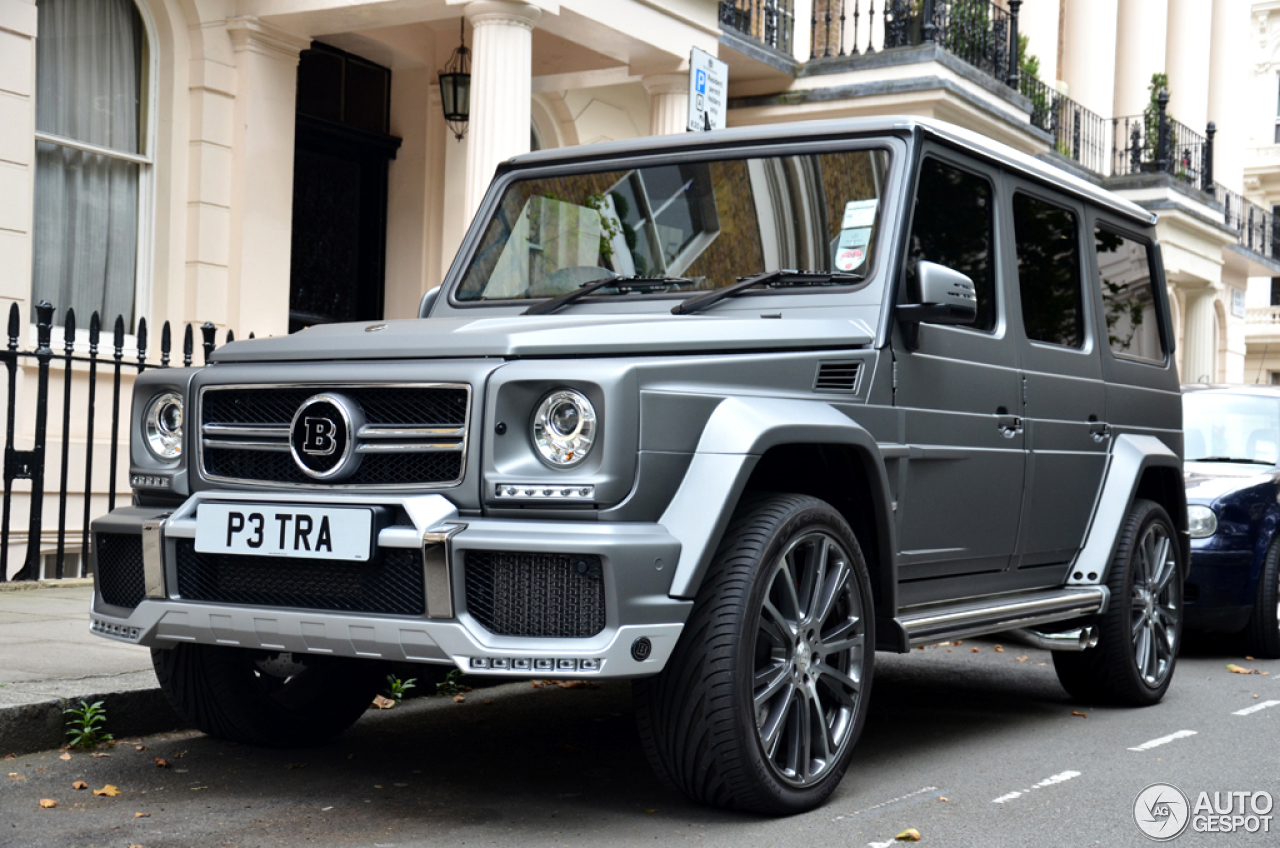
x: 341, y: 157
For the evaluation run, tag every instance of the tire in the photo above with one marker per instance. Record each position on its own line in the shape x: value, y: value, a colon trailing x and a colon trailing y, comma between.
x: 265, y: 699
x: 757, y: 665
x: 1262, y: 633
x: 1143, y: 619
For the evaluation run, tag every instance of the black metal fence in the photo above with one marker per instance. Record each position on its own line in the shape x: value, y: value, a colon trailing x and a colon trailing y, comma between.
x: 771, y: 22
x: 1259, y: 229
x: 79, y: 357
x: 1078, y: 133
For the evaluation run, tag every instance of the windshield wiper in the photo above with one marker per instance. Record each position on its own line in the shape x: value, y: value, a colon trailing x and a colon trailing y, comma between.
x: 781, y: 277
x: 1229, y: 459
x: 624, y: 283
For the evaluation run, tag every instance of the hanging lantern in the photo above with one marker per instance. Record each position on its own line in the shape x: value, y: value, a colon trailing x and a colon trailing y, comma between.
x: 455, y: 87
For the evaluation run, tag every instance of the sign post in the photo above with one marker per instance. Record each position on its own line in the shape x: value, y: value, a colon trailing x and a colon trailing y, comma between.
x: 708, y: 91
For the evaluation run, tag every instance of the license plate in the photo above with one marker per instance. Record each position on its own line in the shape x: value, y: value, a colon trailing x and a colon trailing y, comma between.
x: 290, y: 531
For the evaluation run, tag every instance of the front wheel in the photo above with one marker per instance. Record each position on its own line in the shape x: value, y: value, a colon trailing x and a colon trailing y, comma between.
x: 273, y: 700
x: 1262, y: 633
x: 766, y: 692
x: 1141, y: 631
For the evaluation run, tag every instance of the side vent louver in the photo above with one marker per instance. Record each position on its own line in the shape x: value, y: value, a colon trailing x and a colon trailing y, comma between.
x: 838, y: 377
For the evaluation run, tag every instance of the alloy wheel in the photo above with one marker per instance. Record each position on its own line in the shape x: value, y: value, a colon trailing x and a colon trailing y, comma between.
x: 1156, y: 605
x: 809, y: 659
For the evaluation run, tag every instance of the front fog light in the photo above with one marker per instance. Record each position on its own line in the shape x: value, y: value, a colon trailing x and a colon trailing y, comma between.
x: 564, y: 428
x: 162, y: 426
x: 1201, y: 521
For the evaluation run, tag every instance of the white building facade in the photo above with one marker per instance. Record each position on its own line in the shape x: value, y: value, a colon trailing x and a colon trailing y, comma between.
x: 265, y: 164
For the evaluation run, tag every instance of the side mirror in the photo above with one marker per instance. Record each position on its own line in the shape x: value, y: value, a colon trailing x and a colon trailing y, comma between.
x: 428, y: 301
x: 946, y: 297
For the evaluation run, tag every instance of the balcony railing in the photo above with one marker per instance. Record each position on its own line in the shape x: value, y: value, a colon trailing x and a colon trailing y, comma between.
x: 1265, y: 315
x: 1259, y: 229
x: 1078, y: 134
x: 1153, y: 142
x: 771, y: 22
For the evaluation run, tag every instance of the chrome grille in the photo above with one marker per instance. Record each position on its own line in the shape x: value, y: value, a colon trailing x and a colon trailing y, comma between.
x: 414, y: 435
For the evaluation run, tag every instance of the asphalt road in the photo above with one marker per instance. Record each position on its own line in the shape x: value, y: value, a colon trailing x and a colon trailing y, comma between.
x: 971, y: 749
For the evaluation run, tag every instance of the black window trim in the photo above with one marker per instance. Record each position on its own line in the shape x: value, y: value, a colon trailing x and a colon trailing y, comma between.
x: 1159, y: 292
x: 1088, y: 336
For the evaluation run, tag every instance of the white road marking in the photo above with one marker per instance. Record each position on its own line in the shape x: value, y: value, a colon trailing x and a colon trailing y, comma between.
x: 1256, y: 707
x: 1060, y: 777
x: 1164, y: 740
x: 887, y: 803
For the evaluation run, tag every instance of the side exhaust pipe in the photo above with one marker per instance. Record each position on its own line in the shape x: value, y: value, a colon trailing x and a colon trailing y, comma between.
x: 1068, y: 640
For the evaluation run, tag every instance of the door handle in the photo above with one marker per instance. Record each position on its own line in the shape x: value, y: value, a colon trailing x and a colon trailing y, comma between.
x: 1009, y: 425
x: 1100, y: 430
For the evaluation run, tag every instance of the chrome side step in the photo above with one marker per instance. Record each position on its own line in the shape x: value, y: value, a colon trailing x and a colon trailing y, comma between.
x: 1003, y: 612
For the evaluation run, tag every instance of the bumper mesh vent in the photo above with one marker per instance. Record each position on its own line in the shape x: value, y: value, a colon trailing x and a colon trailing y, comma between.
x: 118, y: 569
x: 390, y: 584
x: 536, y: 595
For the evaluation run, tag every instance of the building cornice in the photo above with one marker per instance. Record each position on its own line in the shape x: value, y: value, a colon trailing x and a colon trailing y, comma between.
x: 250, y: 34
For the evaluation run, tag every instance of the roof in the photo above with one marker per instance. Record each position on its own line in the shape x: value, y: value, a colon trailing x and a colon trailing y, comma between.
x: 987, y: 148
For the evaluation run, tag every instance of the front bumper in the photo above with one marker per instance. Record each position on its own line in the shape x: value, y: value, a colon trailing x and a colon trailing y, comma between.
x: 636, y: 566
x: 1220, y: 589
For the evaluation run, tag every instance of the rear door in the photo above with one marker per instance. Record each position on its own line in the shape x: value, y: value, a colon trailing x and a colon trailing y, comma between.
x: 959, y: 396
x: 1052, y: 319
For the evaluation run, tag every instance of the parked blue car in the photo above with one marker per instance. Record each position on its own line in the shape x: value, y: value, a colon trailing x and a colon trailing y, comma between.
x: 1232, y: 472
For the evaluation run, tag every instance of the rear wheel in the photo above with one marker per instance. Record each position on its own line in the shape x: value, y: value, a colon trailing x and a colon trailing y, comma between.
x: 765, y: 695
x: 276, y: 700
x: 1262, y: 633
x: 1141, y: 631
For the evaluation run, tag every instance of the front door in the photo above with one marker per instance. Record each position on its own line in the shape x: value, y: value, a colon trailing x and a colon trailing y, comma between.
x: 959, y: 393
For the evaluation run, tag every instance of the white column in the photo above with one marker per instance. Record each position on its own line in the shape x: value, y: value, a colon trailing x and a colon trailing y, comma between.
x: 1138, y: 53
x: 1038, y: 21
x: 501, y: 80
x: 668, y: 102
x: 1187, y: 61
x: 1089, y: 53
x: 17, y: 150
x: 262, y: 183
x: 802, y: 30
x: 1199, y: 340
x: 1228, y: 89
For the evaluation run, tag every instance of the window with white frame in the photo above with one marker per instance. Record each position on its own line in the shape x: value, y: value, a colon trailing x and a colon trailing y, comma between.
x: 92, y: 157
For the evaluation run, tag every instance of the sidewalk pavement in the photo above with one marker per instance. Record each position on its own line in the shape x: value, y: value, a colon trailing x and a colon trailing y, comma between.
x: 49, y: 660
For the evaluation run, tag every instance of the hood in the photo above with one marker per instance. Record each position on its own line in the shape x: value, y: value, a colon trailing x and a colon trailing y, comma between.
x: 1208, y: 481
x: 516, y: 336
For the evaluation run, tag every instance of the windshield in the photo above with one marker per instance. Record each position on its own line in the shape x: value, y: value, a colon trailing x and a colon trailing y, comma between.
x: 1231, y: 427
x: 710, y: 222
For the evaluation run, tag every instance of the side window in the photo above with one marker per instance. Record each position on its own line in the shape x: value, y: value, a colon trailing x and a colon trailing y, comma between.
x: 1049, y: 271
x: 952, y: 226
x: 1128, y: 296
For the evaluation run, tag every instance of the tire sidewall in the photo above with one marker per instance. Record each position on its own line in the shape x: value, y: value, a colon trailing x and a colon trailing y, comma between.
x: 813, y: 516
x: 1148, y: 513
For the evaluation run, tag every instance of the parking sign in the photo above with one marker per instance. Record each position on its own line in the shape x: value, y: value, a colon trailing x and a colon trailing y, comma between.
x: 708, y: 91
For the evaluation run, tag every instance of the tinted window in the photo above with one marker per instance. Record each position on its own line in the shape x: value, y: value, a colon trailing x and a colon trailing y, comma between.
x: 952, y: 226
x: 1048, y: 271
x: 1128, y: 296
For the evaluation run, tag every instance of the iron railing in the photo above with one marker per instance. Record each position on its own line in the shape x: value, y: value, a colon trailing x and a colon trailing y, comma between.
x: 771, y: 22
x: 80, y: 358
x: 1155, y: 142
x: 1259, y: 229
x: 1078, y: 133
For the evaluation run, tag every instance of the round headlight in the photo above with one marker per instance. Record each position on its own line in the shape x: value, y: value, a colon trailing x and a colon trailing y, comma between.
x: 1201, y: 521
x: 162, y: 426
x: 564, y: 428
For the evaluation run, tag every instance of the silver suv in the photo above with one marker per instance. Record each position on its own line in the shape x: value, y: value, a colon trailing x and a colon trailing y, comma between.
x: 626, y: 439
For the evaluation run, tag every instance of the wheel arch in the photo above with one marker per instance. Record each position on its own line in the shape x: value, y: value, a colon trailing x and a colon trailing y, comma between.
x: 762, y: 443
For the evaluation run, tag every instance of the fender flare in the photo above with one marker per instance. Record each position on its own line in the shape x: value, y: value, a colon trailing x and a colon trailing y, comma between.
x: 739, y: 431
x: 1131, y: 456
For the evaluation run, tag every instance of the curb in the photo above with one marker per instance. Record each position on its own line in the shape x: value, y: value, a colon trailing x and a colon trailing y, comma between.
x: 29, y: 585
x: 40, y: 726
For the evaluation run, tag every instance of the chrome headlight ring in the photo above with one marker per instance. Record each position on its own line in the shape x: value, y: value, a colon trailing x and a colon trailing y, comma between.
x: 162, y: 426
x: 564, y: 428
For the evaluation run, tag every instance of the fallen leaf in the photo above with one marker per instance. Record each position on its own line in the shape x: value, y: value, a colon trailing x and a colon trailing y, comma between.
x: 488, y: 701
x: 943, y: 798
x: 973, y: 650
x: 651, y: 811
x: 161, y: 762
x: 99, y: 754
x: 182, y: 754
x: 999, y: 649
x: 948, y: 650
x: 48, y: 803
x: 921, y: 648
x: 13, y: 775
x: 11, y: 756
x: 957, y: 643
x: 294, y: 766
x: 458, y: 699
x: 139, y: 747
x: 1255, y: 696
x: 79, y: 784
x: 1265, y: 673
x: 382, y: 703
x: 1078, y: 713
x: 1238, y: 669
x: 108, y: 790
x: 142, y: 815
x: 535, y: 684
x: 1250, y: 659
x: 908, y: 835
x: 64, y: 757
x: 1022, y: 659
